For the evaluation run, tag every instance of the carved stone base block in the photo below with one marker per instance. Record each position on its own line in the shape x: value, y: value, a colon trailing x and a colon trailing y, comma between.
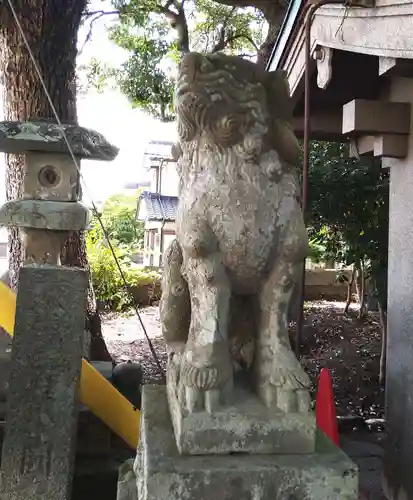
x: 245, y: 427
x: 161, y: 473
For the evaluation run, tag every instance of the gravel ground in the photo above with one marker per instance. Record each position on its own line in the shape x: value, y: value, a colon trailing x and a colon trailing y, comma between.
x: 348, y: 347
x: 125, y: 339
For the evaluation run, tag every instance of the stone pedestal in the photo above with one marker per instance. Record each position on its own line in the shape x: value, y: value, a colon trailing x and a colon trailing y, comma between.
x: 246, y: 426
x: 161, y: 473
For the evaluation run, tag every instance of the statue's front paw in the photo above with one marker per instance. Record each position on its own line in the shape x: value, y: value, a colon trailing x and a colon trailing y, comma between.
x: 205, y: 387
x: 196, y: 400
x: 284, y: 383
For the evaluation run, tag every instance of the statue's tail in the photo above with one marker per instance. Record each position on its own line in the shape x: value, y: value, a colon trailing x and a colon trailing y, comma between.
x: 175, y: 305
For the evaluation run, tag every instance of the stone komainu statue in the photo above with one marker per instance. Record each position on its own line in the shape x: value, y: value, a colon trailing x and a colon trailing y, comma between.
x: 241, y: 238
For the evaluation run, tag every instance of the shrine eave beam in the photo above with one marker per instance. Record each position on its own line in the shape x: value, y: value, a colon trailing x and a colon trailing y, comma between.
x: 324, y: 127
x: 364, y: 117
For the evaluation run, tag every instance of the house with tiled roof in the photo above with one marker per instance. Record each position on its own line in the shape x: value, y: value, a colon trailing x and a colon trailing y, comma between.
x: 157, y: 206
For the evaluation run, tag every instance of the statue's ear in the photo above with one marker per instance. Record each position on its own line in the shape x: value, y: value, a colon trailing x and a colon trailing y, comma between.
x: 285, y: 142
x: 278, y: 92
x: 281, y: 112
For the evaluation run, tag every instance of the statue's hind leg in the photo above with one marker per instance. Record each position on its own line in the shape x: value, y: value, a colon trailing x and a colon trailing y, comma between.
x: 206, y: 368
x: 280, y: 379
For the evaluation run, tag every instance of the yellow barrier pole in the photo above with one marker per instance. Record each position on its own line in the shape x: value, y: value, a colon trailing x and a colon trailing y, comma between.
x: 95, y: 392
x: 7, y: 308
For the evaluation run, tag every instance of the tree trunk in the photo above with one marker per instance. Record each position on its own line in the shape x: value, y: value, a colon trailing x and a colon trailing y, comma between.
x: 383, y: 354
x: 50, y: 27
x: 362, y: 291
x: 74, y: 254
x: 275, y: 19
x: 350, y: 289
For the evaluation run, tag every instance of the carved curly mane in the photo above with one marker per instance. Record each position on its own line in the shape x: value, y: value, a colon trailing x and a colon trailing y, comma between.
x: 223, y: 98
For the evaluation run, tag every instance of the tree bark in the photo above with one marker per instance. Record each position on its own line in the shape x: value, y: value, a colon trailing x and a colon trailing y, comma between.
x: 379, y: 283
x: 50, y: 27
x: 362, y: 291
x: 383, y: 354
x: 350, y: 290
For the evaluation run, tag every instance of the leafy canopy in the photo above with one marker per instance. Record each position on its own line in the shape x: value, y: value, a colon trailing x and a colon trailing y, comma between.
x: 150, y: 33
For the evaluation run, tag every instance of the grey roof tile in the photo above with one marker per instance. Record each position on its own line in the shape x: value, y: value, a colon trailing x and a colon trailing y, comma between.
x: 159, y: 207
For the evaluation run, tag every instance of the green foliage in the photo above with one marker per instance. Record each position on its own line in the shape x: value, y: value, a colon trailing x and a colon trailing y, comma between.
x: 348, y: 208
x: 107, y: 281
x: 97, y: 75
x: 126, y: 236
x: 317, y: 251
x: 119, y: 218
x: 146, y: 78
x: 244, y: 28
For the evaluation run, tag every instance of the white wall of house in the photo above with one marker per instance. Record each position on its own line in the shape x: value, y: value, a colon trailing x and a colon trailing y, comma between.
x: 164, y: 179
x: 158, y: 236
x: 169, y: 179
x: 168, y: 237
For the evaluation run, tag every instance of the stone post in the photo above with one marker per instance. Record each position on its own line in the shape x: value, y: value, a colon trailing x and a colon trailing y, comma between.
x: 39, y: 442
x: 398, y: 463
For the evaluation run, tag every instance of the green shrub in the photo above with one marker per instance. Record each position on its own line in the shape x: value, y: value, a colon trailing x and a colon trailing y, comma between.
x: 107, y: 281
x: 126, y: 236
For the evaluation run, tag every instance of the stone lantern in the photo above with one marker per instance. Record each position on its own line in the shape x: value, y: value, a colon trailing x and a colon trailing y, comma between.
x: 38, y: 447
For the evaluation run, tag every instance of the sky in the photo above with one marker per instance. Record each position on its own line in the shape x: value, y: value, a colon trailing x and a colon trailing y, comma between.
x: 111, y: 114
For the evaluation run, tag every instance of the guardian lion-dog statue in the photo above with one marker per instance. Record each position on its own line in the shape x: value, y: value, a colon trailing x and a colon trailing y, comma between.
x: 240, y: 238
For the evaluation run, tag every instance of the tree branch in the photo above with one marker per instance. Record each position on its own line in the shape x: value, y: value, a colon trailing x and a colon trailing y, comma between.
x: 238, y: 3
x: 269, y: 8
x: 101, y: 13
x: 247, y: 37
x: 96, y: 15
x: 222, y: 44
x: 177, y: 21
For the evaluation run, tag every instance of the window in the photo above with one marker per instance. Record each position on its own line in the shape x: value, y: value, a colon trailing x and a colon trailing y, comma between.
x: 152, y: 239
